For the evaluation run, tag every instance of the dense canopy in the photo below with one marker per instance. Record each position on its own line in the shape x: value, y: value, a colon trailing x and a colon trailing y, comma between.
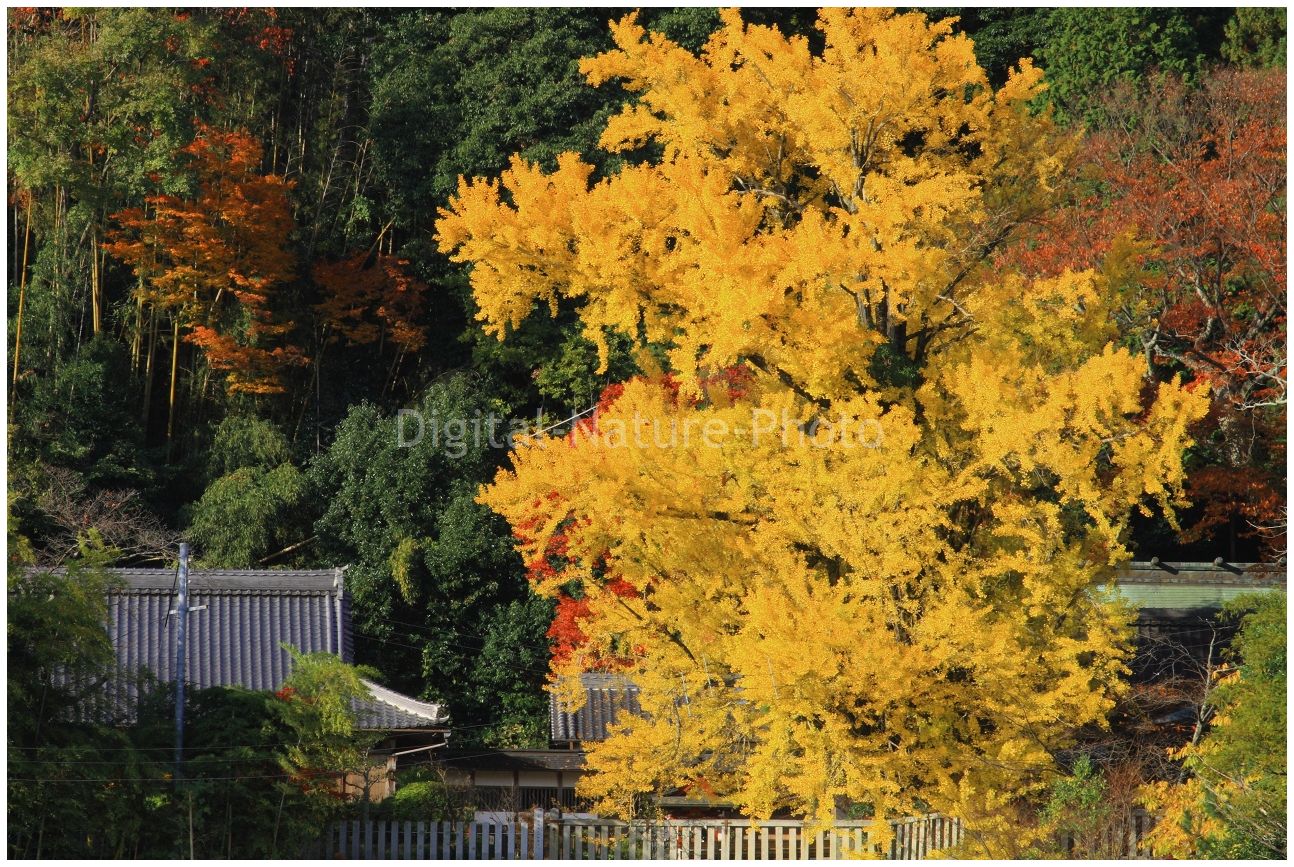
x: 905, y: 619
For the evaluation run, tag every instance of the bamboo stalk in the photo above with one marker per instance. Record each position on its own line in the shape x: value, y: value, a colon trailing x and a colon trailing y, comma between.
x: 22, y: 300
x: 136, y: 338
x: 96, y: 315
x: 175, y: 362
x: 148, y: 367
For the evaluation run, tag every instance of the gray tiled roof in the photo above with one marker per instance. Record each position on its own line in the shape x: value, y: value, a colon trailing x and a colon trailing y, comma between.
x: 511, y: 760
x: 606, y: 696
x: 242, y: 619
x: 390, y: 710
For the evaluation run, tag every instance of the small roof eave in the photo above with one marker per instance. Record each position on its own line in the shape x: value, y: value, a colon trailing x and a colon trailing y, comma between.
x: 432, y: 716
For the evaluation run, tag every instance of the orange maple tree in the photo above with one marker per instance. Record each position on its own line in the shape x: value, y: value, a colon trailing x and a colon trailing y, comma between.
x: 372, y: 297
x: 214, y: 261
x: 1181, y: 202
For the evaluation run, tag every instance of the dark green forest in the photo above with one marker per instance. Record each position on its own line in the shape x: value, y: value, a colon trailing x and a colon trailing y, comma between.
x: 290, y: 163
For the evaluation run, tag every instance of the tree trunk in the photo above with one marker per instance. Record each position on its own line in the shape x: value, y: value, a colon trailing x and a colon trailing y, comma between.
x: 278, y: 817
x: 175, y: 363
x: 96, y: 312
x: 22, y: 300
x: 148, y: 368
x: 137, y: 339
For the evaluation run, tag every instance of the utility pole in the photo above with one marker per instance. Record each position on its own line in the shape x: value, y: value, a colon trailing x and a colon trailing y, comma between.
x: 181, y: 612
x: 181, y: 636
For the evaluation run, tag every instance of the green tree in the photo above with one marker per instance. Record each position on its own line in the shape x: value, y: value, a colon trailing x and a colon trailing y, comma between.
x: 67, y: 767
x: 78, y: 457
x: 325, y: 746
x: 101, y: 100
x: 233, y: 798
x: 491, y: 82
x: 1084, y: 51
x: 1076, y: 807
x: 59, y: 651
x: 504, y: 680
x: 691, y: 26
x: 79, y: 417
x: 432, y: 573
x: 253, y: 505
x: 1233, y: 805
x: 235, y: 743
x: 1002, y: 35
x: 1255, y: 36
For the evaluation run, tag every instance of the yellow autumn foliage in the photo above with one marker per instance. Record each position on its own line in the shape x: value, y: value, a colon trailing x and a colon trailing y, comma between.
x: 906, y: 614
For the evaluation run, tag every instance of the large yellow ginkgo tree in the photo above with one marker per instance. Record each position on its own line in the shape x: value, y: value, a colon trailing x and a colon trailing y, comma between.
x: 851, y: 544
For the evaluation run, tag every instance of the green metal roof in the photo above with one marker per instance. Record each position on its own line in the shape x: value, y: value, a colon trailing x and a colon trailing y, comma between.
x: 1155, y: 585
x: 1186, y: 596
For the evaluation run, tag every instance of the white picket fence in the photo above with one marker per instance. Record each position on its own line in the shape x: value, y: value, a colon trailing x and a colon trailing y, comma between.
x: 572, y: 839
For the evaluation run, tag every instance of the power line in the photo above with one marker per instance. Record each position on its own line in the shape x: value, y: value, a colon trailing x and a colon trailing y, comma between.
x: 46, y: 761
x: 199, y: 779
x: 202, y: 749
x: 145, y: 779
x: 437, y: 630
x: 371, y: 637
x: 170, y: 748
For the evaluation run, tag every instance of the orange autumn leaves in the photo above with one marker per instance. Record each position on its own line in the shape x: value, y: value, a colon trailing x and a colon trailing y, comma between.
x: 215, y: 260
x: 1181, y: 205
x: 369, y: 298
x: 220, y: 261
